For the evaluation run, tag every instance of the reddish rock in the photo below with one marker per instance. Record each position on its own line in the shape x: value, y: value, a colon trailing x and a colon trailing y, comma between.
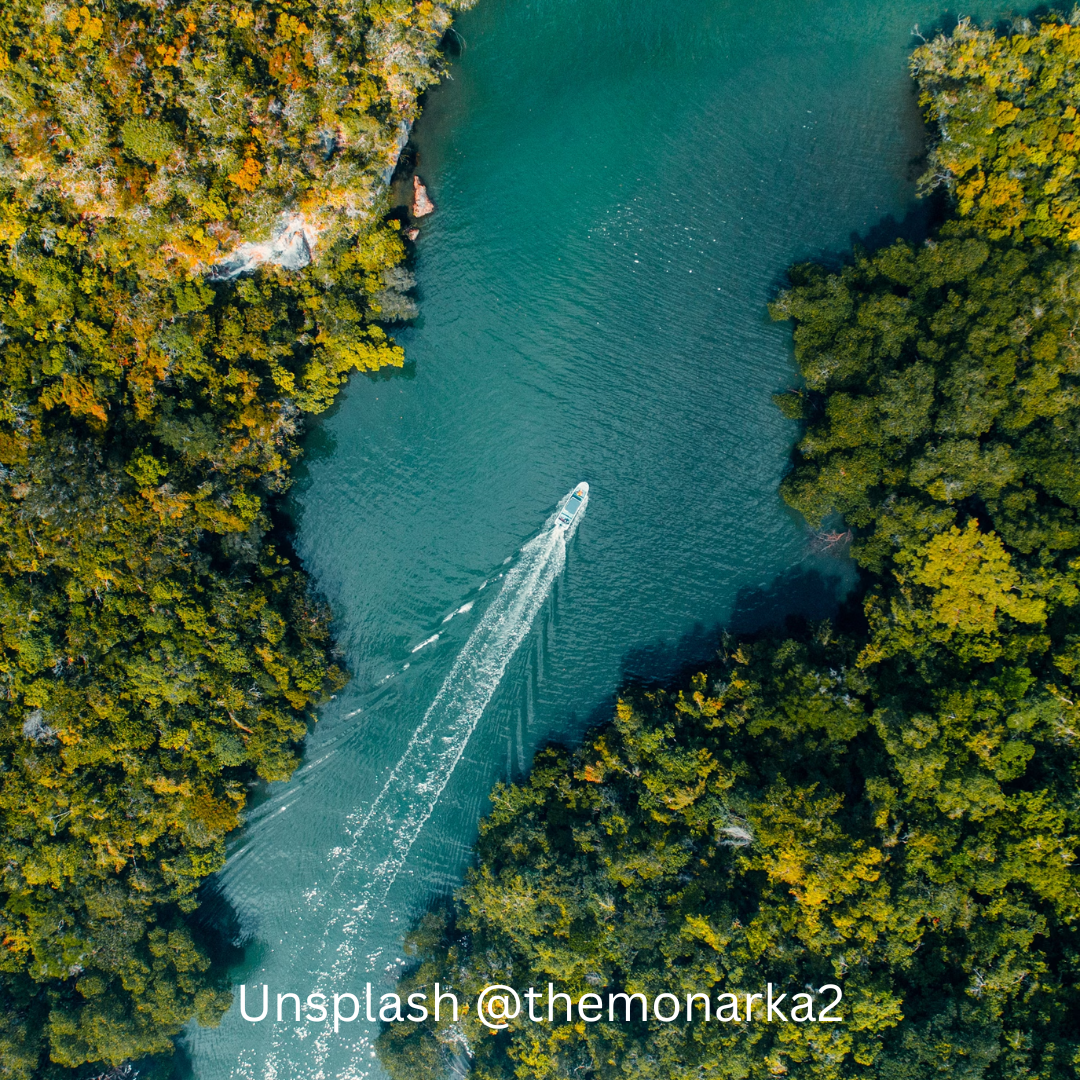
x: 421, y: 204
x: 412, y: 234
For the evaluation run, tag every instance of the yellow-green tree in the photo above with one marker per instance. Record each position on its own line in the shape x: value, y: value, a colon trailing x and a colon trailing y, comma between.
x: 195, y: 253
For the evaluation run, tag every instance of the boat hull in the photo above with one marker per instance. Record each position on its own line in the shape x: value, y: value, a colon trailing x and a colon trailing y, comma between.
x: 572, y: 508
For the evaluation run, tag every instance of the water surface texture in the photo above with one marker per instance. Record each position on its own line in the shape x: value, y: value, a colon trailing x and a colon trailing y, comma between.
x: 620, y: 185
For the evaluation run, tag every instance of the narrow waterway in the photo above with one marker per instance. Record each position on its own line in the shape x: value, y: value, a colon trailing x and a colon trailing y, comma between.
x: 620, y: 185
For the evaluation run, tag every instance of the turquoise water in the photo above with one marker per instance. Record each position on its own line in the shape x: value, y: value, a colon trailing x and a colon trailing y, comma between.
x: 620, y: 185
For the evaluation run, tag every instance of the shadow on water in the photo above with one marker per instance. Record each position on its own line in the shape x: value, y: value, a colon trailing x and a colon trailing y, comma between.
x: 795, y: 598
x: 407, y: 370
x: 805, y: 595
x: 216, y: 927
x: 921, y: 221
x: 318, y: 439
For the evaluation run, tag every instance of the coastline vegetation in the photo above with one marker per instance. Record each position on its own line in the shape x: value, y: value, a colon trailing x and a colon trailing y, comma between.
x: 194, y: 255
x: 891, y: 803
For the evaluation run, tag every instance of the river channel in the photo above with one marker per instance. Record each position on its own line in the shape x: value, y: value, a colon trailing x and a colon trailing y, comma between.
x: 621, y: 185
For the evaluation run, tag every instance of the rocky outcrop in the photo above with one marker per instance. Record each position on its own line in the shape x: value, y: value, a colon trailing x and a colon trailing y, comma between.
x: 403, y: 133
x: 292, y: 242
x: 36, y: 730
x: 289, y: 247
x: 421, y: 204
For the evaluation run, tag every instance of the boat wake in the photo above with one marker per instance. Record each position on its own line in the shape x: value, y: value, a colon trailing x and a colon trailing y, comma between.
x: 380, y: 838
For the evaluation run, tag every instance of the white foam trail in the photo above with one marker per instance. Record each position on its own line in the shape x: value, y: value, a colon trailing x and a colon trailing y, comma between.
x: 430, y: 641
x: 381, y: 838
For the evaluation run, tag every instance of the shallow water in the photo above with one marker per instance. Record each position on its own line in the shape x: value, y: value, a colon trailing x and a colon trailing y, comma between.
x: 620, y: 185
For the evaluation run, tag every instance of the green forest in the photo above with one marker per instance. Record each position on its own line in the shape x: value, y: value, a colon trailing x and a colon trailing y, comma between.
x: 161, y: 649
x: 889, y: 801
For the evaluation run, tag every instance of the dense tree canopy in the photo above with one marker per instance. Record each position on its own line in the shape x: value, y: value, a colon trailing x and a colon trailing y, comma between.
x: 894, y: 808
x: 775, y: 822
x: 174, y: 132
x: 1005, y: 108
x: 159, y: 646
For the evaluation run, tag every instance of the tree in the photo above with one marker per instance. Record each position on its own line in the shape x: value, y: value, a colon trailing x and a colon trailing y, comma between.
x: 160, y: 646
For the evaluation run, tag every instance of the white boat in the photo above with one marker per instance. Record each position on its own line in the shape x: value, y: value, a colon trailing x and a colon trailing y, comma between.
x: 572, y: 507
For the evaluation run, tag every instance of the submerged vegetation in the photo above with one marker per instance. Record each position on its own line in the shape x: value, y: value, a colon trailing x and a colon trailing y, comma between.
x: 194, y: 253
x: 891, y: 804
